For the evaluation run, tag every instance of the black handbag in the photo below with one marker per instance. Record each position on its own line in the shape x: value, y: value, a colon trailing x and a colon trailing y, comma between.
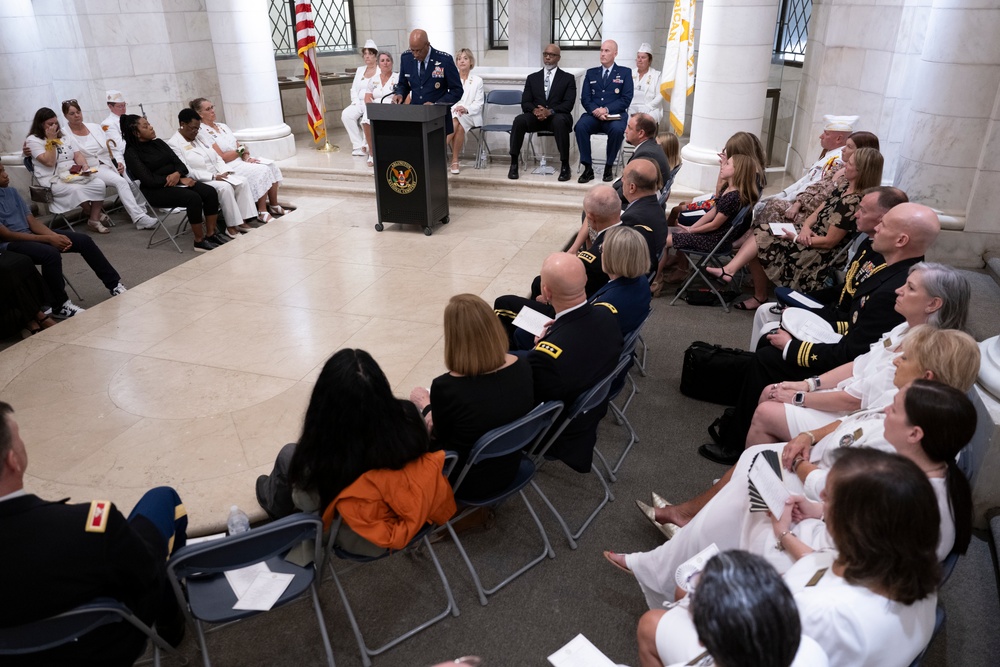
x: 714, y: 373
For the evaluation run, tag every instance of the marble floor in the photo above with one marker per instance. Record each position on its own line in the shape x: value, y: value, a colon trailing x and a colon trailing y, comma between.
x: 197, y: 377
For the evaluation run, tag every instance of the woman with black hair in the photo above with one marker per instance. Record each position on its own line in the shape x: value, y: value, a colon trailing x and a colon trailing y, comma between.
x: 164, y: 181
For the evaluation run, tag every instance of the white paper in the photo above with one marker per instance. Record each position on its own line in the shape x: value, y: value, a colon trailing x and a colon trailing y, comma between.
x: 265, y: 590
x: 205, y: 538
x: 769, y: 485
x: 234, y: 180
x: 802, y: 299
x: 613, y: 116
x: 241, y: 579
x: 779, y: 228
x: 263, y: 160
x: 531, y: 321
x: 580, y: 652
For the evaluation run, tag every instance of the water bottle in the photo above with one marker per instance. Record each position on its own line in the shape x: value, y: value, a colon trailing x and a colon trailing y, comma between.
x: 238, y: 521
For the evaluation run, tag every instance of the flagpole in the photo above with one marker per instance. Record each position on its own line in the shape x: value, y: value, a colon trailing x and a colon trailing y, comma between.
x: 305, y: 42
x: 327, y: 147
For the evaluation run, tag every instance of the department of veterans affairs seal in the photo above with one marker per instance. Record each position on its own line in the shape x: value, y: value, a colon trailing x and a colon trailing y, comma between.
x: 402, y: 177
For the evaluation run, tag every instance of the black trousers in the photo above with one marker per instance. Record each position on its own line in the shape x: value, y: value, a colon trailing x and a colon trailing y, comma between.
x: 559, y: 124
x: 50, y: 260
x: 196, y: 199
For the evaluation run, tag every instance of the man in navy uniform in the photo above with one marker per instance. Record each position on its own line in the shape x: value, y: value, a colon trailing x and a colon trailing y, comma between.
x: 429, y: 76
x: 606, y: 94
x: 58, y: 556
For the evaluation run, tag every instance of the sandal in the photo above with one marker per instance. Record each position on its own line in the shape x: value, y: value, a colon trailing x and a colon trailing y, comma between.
x: 276, y: 211
x: 744, y: 305
x: 264, y: 217
x: 724, y: 279
x: 608, y: 557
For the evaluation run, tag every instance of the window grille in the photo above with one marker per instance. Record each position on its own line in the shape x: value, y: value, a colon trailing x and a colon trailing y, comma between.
x: 498, y: 24
x: 576, y: 24
x: 791, y: 33
x: 334, y: 20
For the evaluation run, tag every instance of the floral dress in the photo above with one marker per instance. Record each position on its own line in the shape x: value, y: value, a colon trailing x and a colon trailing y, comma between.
x: 728, y: 205
x: 814, y: 196
x: 793, y: 265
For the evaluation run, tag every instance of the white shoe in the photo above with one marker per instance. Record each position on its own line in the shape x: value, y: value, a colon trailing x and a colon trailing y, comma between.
x: 119, y: 289
x: 146, y: 222
x: 358, y: 152
x: 96, y: 226
x: 68, y: 309
x: 370, y: 162
x: 264, y: 217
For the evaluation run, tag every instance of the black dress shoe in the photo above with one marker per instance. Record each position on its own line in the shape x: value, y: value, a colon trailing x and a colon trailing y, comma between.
x: 564, y: 173
x: 717, y: 454
x: 512, y: 172
x: 587, y: 176
x: 608, y: 174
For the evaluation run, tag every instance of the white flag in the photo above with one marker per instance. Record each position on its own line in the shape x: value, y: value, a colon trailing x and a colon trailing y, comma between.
x: 678, y: 65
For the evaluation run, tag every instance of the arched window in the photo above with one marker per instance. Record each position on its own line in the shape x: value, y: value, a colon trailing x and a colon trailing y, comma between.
x: 334, y: 21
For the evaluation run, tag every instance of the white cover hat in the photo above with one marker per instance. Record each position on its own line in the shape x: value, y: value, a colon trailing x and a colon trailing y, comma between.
x: 116, y: 96
x: 370, y: 44
x: 839, y: 123
x: 645, y: 48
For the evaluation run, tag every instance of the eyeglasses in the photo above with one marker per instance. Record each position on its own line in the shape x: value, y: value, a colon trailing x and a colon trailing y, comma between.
x: 550, y: 54
x: 71, y: 103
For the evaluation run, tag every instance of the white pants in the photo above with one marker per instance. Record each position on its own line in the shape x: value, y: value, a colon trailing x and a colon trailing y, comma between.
x: 128, y: 191
x: 351, y: 118
x: 235, y: 202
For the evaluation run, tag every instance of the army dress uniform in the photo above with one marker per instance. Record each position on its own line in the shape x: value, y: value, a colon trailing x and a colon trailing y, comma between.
x: 440, y: 82
x: 645, y: 215
x: 580, y: 349
x: 613, y: 93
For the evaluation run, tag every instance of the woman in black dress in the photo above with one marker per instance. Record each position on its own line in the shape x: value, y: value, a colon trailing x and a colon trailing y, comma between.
x: 484, y: 388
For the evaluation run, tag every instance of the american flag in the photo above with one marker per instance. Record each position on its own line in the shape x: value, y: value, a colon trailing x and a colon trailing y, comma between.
x: 305, y: 41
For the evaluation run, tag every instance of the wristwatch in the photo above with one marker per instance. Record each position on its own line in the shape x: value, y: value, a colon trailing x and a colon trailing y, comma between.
x: 799, y: 399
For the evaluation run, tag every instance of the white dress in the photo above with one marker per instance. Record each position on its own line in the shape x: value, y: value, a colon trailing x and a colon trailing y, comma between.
x: 352, y: 114
x: 854, y: 626
x: 870, y: 381
x: 259, y: 175
x: 95, y: 149
x: 203, y: 164
x: 646, y: 97
x: 379, y: 91
x: 68, y: 191
x: 472, y: 100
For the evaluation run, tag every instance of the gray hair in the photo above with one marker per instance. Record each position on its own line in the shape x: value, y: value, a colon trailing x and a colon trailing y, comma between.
x: 954, y: 290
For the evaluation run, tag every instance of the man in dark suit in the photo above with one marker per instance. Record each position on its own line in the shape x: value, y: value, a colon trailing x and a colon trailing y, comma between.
x: 429, y: 76
x: 904, y: 234
x: 547, y: 102
x: 606, y: 94
x: 581, y: 347
x: 641, y: 133
x: 644, y: 213
x: 58, y: 556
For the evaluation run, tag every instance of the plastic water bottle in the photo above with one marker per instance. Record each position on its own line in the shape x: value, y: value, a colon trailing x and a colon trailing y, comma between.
x: 238, y: 521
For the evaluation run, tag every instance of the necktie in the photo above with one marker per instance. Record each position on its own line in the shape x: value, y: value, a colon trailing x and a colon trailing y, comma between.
x: 421, y: 69
x: 548, y: 80
x: 604, y: 82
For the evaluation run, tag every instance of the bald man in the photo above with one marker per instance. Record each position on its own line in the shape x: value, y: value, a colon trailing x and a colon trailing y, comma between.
x: 902, y: 237
x: 429, y: 76
x: 580, y: 348
x: 606, y: 93
x: 643, y: 211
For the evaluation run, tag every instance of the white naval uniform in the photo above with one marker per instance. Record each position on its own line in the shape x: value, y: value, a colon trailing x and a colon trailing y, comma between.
x: 352, y: 114
x: 203, y: 164
x: 95, y: 149
x: 646, y: 97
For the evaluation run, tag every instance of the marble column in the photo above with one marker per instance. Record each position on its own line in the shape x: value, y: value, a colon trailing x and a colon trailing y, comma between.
x: 25, y: 79
x: 941, y: 155
x: 731, y: 74
x: 630, y: 23
x: 248, y: 80
x: 529, y: 30
x: 437, y: 17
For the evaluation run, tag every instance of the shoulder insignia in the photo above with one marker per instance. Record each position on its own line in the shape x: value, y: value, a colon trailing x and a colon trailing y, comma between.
x: 548, y: 348
x: 816, y: 577
x: 586, y: 256
x: 842, y: 328
x: 97, y: 518
x: 648, y: 229
x: 608, y: 306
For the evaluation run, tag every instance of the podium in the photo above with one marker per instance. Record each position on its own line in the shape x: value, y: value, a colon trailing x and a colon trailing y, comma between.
x: 411, y: 177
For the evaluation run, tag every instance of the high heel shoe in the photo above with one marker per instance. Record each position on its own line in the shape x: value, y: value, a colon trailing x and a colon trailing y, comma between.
x: 659, y: 502
x: 454, y: 168
x: 668, y: 529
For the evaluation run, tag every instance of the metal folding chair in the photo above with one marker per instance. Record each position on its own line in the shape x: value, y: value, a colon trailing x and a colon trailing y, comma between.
x: 197, y: 573
x: 419, y: 539
x: 518, y: 436
x: 664, y: 194
x: 624, y: 378
x: 699, y: 261
x: 587, y: 401
x: 498, y: 102
x: 163, y: 214
x: 69, y: 626
x: 543, y: 168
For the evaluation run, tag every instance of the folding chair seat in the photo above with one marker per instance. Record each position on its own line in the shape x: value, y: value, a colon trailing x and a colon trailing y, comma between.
x: 518, y: 436
x: 197, y: 573
x: 71, y: 625
x: 699, y: 261
x: 499, y: 111
x: 587, y: 401
x: 420, y: 539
